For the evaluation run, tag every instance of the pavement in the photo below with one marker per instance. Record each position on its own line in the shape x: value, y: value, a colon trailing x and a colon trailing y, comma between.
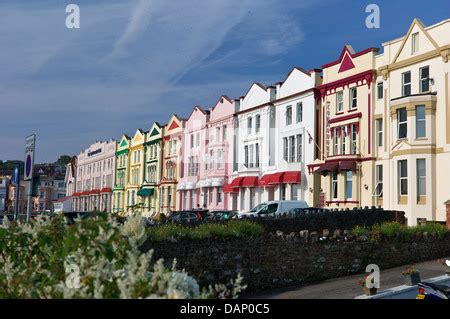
x: 346, y: 287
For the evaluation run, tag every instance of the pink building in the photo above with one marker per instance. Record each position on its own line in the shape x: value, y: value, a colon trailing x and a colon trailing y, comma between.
x: 207, y: 157
x: 220, y: 155
x: 195, y: 140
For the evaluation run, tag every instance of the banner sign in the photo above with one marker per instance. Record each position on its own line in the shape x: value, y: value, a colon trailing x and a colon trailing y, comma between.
x: 29, y: 157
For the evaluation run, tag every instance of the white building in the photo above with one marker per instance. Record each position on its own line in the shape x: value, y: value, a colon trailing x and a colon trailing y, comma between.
x: 275, y: 140
x: 94, y: 177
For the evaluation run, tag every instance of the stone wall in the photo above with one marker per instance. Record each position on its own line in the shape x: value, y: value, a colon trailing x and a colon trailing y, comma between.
x: 331, y: 219
x: 299, y: 258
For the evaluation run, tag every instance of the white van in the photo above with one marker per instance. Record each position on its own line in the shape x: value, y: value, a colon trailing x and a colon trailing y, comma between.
x: 273, y: 208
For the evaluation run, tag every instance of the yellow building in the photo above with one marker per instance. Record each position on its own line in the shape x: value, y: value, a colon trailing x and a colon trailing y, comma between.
x: 343, y: 174
x: 136, y: 172
x: 171, y: 165
x: 412, y: 123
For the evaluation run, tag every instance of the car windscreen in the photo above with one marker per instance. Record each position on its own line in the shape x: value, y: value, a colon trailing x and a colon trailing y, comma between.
x: 257, y: 208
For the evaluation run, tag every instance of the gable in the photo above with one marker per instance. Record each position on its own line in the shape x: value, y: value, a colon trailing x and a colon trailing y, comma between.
x: 154, y: 132
x: 346, y: 64
x: 224, y: 107
x: 426, y: 43
x: 173, y: 125
x: 257, y: 95
x: 124, y: 142
x: 296, y: 81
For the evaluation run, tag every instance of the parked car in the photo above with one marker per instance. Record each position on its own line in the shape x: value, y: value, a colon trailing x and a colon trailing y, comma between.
x: 184, y: 217
x: 300, y: 211
x: 223, y: 215
x: 273, y: 208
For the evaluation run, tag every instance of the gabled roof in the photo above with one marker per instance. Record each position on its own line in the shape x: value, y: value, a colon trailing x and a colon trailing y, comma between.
x: 348, y: 51
x: 261, y: 86
x: 198, y: 107
x: 421, y: 26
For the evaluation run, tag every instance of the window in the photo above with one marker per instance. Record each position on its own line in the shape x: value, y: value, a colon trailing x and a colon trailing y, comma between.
x: 343, y: 140
x: 258, y: 123
x: 415, y: 43
x: 249, y: 126
x: 354, y: 144
x: 251, y: 156
x: 420, y: 121
x: 285, y: 149
x: 335, y: 141
x: 224, y: 133
x: 217, y: 134
x: 334, y: 186
x: 198, y: 139
x: 282, y: 191
x: 379, y: 181
x: 299, y: 112
x: 192, y: 140
x: 402, y: 119
x: 299, y: 148
x: 169, y: 197
x: 379, y: 132
x: 353, y: 98
x: 211, y: 197
x: 219, y: 195
x: 211, y: 160
x: 220, y: 159
x: 403, y: 177
x: 162, y: 196
x: 257, y: 154
x: 291, y: 149
x: 252, y: 197
x: 289, y: 115
x: 348, y: 184
x: 191, y: 206
x: 380, y: 90
x: 294, y: 191
x: 406, y: 83
x: 340, y: 101
x: 421, y: 177
x: 246, y: 155
x: 424, y: 79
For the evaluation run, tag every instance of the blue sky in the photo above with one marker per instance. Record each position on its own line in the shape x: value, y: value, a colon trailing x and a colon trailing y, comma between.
x: 135, y: 62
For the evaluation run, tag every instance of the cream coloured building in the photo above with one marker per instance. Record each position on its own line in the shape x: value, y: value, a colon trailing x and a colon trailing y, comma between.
x: 342, y: 175
x: 412, y: 123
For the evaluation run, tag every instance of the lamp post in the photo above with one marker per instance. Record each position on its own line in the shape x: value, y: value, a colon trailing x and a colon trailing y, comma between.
x: 16, y: 180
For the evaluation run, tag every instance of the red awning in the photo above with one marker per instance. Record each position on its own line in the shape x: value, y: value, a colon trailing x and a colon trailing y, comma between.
x: 276, y: 178
x: 85, y: 193
x: 77, y: 194
x: 250, y: 181
x: 265, y: 180
x: 237, y: 182
x: 291, y: 177
x: 228, y: 189
x: 347, y: 166
x: 328, y: 167
x: 94, y: 192
x: 106, y: 190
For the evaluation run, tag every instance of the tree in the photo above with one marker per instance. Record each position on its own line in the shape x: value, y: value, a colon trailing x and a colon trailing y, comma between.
x: 63, y: 160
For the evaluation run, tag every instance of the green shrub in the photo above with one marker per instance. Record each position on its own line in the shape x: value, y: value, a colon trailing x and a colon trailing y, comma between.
x: 207, y: 230
x: 391, y: 230
x: 44, y: 258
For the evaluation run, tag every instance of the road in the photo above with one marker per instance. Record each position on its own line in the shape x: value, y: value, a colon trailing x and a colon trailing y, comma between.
x: 346, y: 287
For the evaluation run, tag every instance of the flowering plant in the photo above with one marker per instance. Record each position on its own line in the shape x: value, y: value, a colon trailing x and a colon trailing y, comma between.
x: 362, y: 281
x: 410, y: 271
x: 92, y: 258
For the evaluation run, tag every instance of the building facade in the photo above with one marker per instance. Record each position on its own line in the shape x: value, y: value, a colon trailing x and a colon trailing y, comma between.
x: 193, y: 188
x: 220, y: 149
x: 95, y: 172
x: 134, y: 202
x: 343, y: 175
x: 121, y: 175
x: 172, y: 165
x: 412, y: 123
x: 254, y: 146
x: 294, y: 136
x: 152, y: 170
x: 5, y: 181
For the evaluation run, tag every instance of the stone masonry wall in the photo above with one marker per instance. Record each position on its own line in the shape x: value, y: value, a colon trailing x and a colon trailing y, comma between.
x: 279, y: 260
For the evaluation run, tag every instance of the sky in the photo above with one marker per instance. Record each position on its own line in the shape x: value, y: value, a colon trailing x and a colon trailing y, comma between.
x: 135, y: 62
